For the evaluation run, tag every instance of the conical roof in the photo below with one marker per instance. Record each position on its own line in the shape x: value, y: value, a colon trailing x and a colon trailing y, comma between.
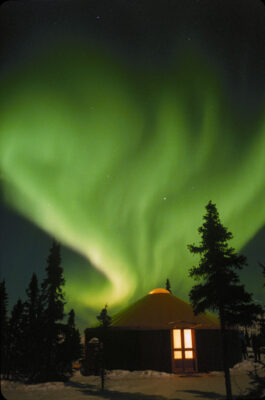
x: 162, y: 310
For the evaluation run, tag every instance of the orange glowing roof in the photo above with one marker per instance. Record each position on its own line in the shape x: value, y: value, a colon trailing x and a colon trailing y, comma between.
x: 162, y: 310
x: 159, y: 290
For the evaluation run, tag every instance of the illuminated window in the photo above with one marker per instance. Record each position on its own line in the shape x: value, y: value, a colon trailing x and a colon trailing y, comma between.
x: 177, y: 338
x: 177, y: 355
x: 188, y: 354
x: 187, y: 339
x: 183, y: 347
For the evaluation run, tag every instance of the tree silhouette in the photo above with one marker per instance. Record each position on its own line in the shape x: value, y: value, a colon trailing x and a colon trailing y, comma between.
x: 104, y: 318
x: 16, y: 338
x: 53, y: 300
x: 4, y: 326
x: 262, y: 321
x: 34, y: 329
x: 105, y: 321
x: 168, y: 287
x: 71, y: 348
x: 73, y: 338
x: 219, y: 289
x: 263, y: 270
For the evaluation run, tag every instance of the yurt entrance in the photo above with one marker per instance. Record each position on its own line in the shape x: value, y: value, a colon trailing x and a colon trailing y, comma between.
x: 183, y: 350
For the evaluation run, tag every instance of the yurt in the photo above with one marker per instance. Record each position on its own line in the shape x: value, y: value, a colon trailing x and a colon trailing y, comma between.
x: 161, y: 332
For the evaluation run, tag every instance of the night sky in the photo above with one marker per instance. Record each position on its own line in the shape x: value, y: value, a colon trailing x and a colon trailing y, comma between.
x: 120, y: 120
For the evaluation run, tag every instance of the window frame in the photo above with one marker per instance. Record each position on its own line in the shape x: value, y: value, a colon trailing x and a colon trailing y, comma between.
x: 182, y: 339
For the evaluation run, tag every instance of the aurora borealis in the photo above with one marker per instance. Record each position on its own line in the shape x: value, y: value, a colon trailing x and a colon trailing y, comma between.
x: 117, y: 160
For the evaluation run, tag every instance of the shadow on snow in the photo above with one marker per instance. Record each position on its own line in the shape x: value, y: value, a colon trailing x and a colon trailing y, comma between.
x: 92, y: 390
x: 205, y: 395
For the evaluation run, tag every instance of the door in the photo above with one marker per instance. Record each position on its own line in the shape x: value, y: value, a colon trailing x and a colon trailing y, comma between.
x: 183, y: 350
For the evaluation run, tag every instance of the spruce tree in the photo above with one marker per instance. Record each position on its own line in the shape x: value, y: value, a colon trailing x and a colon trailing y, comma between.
x: 263, y: 270
x: 53, y: 300
x: 73, y: 338
x: 3, y: 327
x: 71, y: 348
x: 105, y: 321
x: 262, y: 322
x: 34, y: 329
x: 168, y: 287
x: 16, y: 339
x: 104, y: 318
x: 32, y: 304
x: 219, y: 289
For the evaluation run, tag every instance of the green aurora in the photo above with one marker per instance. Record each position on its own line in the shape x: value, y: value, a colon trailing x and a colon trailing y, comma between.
x: 118, y: 164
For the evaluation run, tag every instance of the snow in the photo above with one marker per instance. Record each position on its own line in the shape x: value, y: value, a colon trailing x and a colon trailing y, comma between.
x: 120, y: 373
x: 139, y: 385
x: 246, y: 366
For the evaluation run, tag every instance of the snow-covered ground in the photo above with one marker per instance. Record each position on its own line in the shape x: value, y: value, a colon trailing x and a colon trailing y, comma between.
x: 140, y: 385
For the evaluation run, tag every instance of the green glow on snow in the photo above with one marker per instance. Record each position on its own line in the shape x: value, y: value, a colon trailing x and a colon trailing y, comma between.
x: 118, y: 165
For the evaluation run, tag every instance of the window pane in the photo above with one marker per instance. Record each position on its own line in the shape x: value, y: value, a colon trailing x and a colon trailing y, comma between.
x: 177, y: 355
x: 187, y: 339
x: 177, y: 338
x: 188, y: 354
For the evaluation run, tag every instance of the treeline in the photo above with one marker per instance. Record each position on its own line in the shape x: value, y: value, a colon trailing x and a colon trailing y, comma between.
x: 36, y: 345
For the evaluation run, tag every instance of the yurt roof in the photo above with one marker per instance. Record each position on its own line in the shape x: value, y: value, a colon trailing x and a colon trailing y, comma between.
x: 162, y: 310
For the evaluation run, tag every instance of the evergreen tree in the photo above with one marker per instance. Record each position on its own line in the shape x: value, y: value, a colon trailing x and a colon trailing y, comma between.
x: 168, y: 287
x: 71, y: 348
x: 105, y: 321
x: 263, y: 270
x: 16, y: 338
x: 219, y: 289
x: 53, y: 300
x: 3, y: 327
x: 262, y: 321
x: 104, y: 318
x: 33, y: 330
x: 73, y: 338
x: 33, y: 303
